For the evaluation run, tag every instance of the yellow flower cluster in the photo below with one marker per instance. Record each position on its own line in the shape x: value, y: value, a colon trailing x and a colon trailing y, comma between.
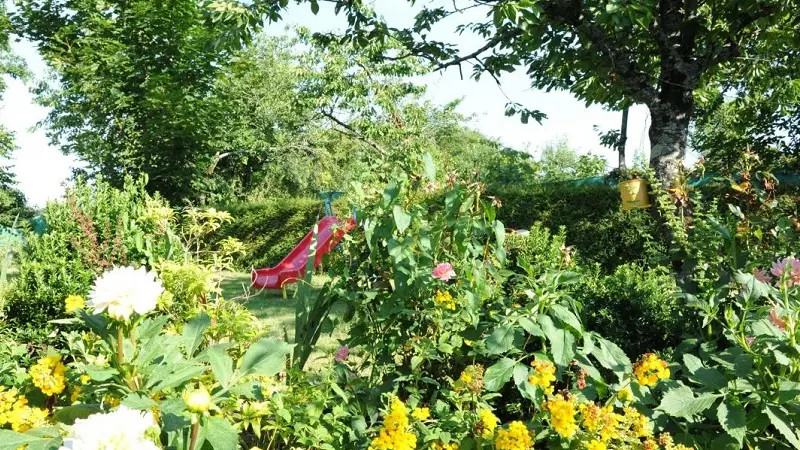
x: 488, y: 423
x: 395, y: 435
x: 517, y: 437
x: 601, y: 421
x: 596, y: 445
x: 544, y: 374
x: 443, y: 446
x: 421, y: 413
x: 74, y: 302
x: 471, y: 378
x: 665, y: 439
x: 445, y: 300
x: 14, y: 411
x: 562, y: 416
x: 650, y: 369
x: 638, y: 424
x: 48, y: 375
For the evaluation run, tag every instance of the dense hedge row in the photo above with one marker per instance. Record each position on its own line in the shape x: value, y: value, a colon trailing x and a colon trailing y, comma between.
x: 595, y: 225
x: 270, y: 229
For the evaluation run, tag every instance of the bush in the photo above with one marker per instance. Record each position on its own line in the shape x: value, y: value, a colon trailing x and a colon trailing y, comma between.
x: 94, y: 228
x: 541, y: 249
x: 270, y: 229
x: 636, y: 308
x: 596, y: 227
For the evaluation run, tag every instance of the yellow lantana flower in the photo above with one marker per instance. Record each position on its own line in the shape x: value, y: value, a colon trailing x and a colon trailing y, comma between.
x: 74, y: 302
x: 488, y: 423
x: 421, y: 413
x: 48, y: 375
x: 562, y: 416
x: 394, y: 435
x: 650, y: 369
x: 625, y: 395
x: 595, y: 445
x: 517, y: 437
x: 445, y: 300
x: 544, y: 374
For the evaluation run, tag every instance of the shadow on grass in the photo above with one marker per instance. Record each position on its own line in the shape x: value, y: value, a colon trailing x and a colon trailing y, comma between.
x: 278, y: 311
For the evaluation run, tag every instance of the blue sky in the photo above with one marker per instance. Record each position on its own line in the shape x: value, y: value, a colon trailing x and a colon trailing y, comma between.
x: 42, y: 169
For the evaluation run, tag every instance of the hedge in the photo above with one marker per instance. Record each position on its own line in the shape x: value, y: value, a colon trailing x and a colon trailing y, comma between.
x: 270, y: 229
x: 595, y: 225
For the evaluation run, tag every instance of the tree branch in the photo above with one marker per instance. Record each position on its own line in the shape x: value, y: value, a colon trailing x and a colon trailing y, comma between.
x: 732, y: 50
x: 498, y: 38
x: 355, y: 134
x: 635, y: 84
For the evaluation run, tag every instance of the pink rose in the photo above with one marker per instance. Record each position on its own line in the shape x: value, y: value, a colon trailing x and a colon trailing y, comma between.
x: 443, y: 272
x: 342, y: 354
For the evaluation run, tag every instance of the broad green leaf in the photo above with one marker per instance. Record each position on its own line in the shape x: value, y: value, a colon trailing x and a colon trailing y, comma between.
x: 778, y: 419
x: 532, y: 328
x: 568, y: 317
x: 733, y: 420
x: 97, y: 373
x: 138, y: 401
x: 68, y: 414
x: 193, y: 331
x: 402, y: 219
x: 562, y: 346
x: 11, y: 440
x: 498, y: 374
x: 751, y: 288
x: 221, y: 363
x: 221, y: 434
x: 692, y: 362
x: 430, y: 168
x: 501, y: 340
x: 173, y: 376
x: 265, y: 357
x: 681, y: 402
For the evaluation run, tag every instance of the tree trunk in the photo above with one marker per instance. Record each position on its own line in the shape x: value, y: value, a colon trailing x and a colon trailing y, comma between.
x: 623, y: 139
x: 669, y: 134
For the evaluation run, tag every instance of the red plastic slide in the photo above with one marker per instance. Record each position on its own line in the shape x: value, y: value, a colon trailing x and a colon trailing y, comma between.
x: 293, y: 266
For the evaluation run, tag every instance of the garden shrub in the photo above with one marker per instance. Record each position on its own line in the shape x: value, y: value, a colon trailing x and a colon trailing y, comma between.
x: 270, y: 229
x: 96, y: 227
x: 636, y: 308
x: 596, y: 227
x: 187, y: 286
x: 542, y: 249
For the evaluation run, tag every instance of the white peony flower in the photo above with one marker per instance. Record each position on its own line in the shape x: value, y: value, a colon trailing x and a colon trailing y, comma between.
x: 124, y: 290
x: 123, y: 429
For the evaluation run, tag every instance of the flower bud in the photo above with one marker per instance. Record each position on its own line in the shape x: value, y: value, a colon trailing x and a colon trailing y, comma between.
x: 197, y: 400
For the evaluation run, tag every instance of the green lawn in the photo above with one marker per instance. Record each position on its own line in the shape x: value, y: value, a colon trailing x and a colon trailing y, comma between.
x: 278, y: 312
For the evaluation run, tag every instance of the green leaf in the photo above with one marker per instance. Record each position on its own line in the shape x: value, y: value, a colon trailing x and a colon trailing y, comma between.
x: 401, y: 218
x: 733, y: 420
x: 751, y: 288
x: 777, y: 416
x: 501, y: 340
x: 265, y: 357
x: 97, y: 373
x: 193, y: 331
x: 532, y: 328
x: 139, y: 401
x: 221, y: 434
x: 11, y: 440
x: 692, y: 362
x: 498, y: 374
x: 314, y: 7
x: 681, y: 402
x: 568, y: 317
x: 430, y: 168
x: 562, y: 346
x: 68, y: 414
x: 221, y: 363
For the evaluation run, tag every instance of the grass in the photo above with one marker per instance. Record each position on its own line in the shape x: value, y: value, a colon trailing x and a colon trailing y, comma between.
x: 277, y: 311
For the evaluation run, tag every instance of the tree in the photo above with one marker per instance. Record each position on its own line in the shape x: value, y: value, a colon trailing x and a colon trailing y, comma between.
x: 12, y: 201
x: 132, y: 88
x: 560, y: 162
x: 656, y: 52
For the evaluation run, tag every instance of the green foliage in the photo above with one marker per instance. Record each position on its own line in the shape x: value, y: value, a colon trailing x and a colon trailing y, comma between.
x: 638, y: 309
x: 560, y: 162
x: 94, y: 228
x: 187, y: 285
x: 595, y: 226
x: 541, y: 249
x: 131, y: 88
x: 270, y: 229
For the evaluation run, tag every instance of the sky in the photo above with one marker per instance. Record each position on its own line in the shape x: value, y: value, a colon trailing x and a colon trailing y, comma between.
x: 42, y: 169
